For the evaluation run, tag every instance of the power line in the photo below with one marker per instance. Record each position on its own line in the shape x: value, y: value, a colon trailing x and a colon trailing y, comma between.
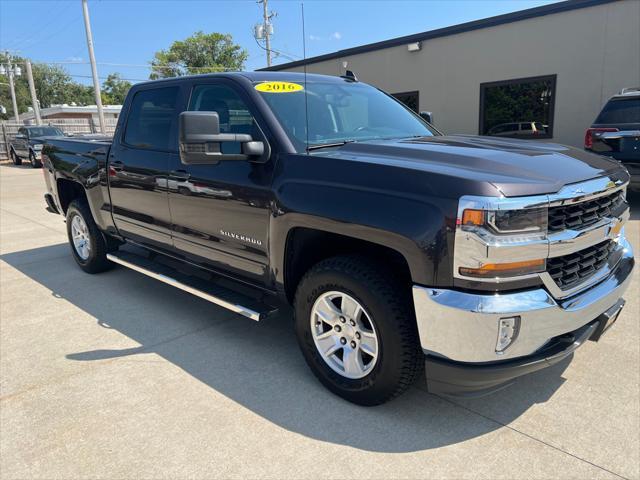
x: 105, y: 78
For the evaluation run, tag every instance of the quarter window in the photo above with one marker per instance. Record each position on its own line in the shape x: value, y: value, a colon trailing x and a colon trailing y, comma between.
x: 152, y: 118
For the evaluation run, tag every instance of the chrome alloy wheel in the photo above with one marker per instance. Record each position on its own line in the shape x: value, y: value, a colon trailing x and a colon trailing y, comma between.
x: 344, y: 334
x: 80, y: 235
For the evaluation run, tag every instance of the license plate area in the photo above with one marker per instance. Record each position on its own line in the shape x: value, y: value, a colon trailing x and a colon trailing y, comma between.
x: 607, y: 319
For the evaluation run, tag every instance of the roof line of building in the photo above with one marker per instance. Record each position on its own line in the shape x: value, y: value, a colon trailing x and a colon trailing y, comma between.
x: 443, y: 32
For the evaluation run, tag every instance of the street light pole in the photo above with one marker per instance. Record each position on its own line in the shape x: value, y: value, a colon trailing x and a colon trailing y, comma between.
x: 94, y: 69
x: 32, y: 90
x: 12, y: 87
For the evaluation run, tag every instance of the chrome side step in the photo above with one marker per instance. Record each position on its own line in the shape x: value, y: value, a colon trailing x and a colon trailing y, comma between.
x: 217, y: 295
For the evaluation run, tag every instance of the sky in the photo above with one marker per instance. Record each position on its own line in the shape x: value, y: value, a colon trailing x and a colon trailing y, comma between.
x: 127, y: 33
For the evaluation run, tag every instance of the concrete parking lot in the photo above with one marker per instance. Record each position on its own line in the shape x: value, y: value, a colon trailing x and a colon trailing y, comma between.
x: 119, y: 376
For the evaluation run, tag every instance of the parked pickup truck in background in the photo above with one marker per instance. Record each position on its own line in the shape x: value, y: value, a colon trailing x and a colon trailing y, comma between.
x: 28, y: 143
x: 472, y: 259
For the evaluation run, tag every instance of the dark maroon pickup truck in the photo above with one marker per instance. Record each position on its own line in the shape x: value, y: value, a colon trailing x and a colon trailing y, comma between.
x: 404, y: 252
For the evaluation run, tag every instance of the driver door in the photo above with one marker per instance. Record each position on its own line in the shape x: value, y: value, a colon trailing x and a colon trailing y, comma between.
x: 220, y: 212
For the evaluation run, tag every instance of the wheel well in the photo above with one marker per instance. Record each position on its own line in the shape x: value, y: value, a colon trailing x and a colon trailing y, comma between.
x: 68, y: 190
x: 305, y: 247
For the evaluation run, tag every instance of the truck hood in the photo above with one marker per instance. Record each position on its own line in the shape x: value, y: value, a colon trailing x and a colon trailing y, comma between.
x: 513, y: 167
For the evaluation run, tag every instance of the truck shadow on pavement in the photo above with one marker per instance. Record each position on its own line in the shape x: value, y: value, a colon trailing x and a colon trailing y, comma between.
x: 259, y: 366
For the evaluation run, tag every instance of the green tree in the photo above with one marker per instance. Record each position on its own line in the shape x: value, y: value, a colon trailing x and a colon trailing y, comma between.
x: 114, y: 89
x: 199, y: 53
x: 53, y: 86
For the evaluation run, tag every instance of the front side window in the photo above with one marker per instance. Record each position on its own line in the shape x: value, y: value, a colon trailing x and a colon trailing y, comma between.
x: 523, y: 102
x: 151, y: 119
x: 233, y: 113
x: 340, y: 111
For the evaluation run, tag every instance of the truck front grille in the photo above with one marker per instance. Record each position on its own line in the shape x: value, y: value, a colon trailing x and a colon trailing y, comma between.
x: 583, y: 214
x: 573, y: 269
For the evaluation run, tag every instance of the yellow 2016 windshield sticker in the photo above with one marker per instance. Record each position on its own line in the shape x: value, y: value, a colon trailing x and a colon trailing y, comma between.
x: 279, y: 87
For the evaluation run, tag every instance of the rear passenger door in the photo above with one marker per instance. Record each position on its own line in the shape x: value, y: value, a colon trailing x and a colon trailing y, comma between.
x: 220, y: 213
x: 139, y: 162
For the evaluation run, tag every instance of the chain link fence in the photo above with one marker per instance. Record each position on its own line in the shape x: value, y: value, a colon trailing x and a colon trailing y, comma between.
x: 70, y: 126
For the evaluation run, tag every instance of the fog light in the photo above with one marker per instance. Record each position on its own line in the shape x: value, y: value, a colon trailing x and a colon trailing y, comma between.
x: 507, y: 333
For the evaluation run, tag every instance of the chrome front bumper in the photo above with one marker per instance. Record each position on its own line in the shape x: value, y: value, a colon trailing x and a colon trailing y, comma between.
x: 463, y: 327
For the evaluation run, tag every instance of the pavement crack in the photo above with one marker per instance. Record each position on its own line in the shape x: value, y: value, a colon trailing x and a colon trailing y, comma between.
x: 470, y: 410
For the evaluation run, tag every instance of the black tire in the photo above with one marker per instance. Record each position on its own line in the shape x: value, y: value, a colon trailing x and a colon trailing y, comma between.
x: 96, y: 261
x: 15, y: 158
x: 388, y: 302
x: 35, y: 163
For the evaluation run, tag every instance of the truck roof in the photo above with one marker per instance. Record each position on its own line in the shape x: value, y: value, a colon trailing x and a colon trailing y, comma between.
x: 258, y: 77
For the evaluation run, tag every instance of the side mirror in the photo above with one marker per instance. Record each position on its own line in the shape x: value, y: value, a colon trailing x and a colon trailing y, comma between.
x: 428, y: 116
x: 201, y: 140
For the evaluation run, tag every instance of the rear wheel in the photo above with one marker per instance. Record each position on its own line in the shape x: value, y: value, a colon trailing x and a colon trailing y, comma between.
x: 356, y: 329
x: 88, y: 245
x: 15, y: 158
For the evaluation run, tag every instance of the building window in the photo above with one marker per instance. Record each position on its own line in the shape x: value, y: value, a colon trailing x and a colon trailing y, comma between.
x: 410, y: 99
x: 520, y: 108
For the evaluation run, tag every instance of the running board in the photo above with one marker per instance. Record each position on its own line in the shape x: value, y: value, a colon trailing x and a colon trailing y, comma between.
x: 206, y: 289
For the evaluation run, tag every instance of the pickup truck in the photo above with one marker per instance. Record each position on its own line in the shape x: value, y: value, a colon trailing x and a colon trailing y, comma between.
x: 28, y: 143
x: 403, y: 252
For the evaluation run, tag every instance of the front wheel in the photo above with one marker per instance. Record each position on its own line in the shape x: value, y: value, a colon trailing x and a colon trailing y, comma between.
x: 35, y: 163
x: 356, y: 329
x: 88, y: 245
x: 15, y: 158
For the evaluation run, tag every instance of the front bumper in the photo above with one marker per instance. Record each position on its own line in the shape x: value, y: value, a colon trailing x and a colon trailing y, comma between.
x: 460, y: 329
x: 474, y: 380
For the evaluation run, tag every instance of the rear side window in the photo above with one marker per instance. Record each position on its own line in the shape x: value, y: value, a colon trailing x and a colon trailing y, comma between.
x: 620, y: 111
x: 151, y: 119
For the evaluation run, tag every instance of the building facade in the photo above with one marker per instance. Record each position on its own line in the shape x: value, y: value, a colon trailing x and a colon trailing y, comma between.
x: 551, y: 67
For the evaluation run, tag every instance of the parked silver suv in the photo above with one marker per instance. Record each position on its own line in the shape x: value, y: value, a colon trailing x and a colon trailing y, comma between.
x: 516, y: 129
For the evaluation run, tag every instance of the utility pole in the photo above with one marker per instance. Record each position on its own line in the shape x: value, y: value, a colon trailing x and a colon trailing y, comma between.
x: 267, y: 28
x: 94, y: 69
x: 12, y: 87
x: 32, y: 90
x: 267, y: 34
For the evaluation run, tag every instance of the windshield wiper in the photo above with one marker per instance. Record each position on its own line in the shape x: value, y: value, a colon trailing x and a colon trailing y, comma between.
x: 318, y: 146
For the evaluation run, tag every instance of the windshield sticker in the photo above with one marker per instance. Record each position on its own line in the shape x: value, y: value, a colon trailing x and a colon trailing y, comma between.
x: 279, y: 87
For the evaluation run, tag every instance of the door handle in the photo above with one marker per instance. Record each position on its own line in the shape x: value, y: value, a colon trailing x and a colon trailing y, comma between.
x: 182, y: 175
x: 117, y: 165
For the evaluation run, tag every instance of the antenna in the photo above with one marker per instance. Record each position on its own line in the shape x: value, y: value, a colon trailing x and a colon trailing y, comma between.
x: 304, y: 56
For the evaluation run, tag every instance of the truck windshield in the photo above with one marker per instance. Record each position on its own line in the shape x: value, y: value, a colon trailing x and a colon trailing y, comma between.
x: 339, y: 112
x: 44, y: 132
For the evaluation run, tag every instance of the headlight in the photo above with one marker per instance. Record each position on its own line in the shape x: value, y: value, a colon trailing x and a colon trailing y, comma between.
x: 493, y: 243
x: 506, y: 222
x: 38, y: 146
